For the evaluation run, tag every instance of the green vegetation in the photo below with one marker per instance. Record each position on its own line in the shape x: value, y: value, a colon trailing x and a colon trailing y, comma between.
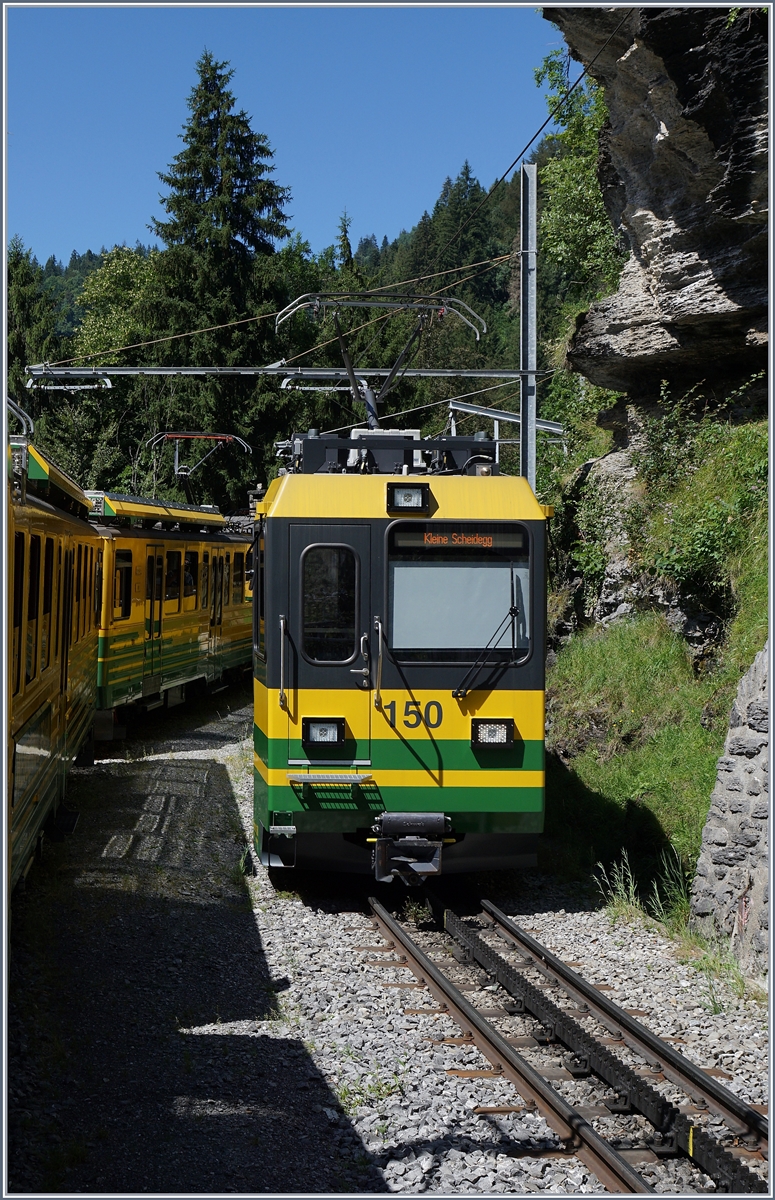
x: 667, y: 908
x: 640, y: 727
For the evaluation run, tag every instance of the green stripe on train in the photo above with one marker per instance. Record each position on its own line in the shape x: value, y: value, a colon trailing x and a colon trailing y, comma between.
x: 397, y: 754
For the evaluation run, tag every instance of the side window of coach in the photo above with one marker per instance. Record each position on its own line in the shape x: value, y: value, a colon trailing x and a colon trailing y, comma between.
x: 172, y: 582
x: 122, y: 586
x: 48, y: 588
x: 18, y: 608
x: 238, y: 578
x: 33, y: 596
x: 205, y: 579
x: 190, y: 578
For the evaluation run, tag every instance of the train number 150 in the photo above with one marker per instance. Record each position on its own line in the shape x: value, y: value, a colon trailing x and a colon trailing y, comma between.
x: 431, y: 716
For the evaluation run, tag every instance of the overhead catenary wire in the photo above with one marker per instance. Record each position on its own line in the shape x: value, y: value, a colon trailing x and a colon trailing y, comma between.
x: 396, y: 312
x: 62, y: 362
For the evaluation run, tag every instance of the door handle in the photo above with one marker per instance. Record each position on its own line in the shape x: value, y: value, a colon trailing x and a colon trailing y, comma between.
x: 365, y: 672
x: 282, y: 662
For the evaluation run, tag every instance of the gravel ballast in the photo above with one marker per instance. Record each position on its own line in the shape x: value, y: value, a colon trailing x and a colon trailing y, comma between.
x: 177, y: 1025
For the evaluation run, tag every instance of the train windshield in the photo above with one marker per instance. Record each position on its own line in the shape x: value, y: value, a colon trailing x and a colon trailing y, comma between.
x: 456, y: 588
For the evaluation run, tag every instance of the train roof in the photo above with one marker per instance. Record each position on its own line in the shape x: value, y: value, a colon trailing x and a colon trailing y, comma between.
x: 109, y: 507
x: 455, y: 478
x: 44, y: 478
x: 366, y: 497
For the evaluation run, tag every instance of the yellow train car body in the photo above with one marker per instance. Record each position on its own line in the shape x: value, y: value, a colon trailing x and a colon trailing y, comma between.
x: 54, y: 573
x: 177, y: 602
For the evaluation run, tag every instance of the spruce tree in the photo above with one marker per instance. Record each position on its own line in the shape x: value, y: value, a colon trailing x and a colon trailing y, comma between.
x: 225, y: 213
x: 222, y: 198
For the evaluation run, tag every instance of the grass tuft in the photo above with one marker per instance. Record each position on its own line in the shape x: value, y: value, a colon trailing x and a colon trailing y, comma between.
x: 619, y: 891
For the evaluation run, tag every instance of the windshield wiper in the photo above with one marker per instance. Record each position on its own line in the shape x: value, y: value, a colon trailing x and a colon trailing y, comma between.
x: 468, y: 680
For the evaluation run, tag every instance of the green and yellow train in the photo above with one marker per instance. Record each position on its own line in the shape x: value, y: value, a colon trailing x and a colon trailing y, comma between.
x: 178, y: 608
x: 111, y: 600
x: 399, y: 645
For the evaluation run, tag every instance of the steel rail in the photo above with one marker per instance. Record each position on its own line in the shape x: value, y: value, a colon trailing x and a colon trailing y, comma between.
x: 675, y: 1129
x: 609, y: 1167
x: 699, y: 1085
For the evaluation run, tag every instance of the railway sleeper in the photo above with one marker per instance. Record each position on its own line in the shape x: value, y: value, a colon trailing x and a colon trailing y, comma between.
x: 727, y: 1172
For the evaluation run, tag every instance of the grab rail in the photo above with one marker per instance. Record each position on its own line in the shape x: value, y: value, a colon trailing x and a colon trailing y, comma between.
x: 377, y: 695
x: 283, y: 628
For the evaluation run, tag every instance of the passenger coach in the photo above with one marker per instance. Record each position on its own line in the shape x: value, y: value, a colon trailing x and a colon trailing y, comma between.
x: 177, y: 604
x: 399, y: 659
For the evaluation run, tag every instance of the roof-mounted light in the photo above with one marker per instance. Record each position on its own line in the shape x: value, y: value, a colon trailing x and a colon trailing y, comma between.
x: 408, y: 497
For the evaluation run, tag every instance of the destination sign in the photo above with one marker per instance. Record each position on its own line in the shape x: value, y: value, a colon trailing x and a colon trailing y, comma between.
x: 449, y: 536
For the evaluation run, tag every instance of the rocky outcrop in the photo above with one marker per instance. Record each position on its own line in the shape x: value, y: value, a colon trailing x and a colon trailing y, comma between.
x: 730, y: 895
x: 683, y: 167
x: 602, y: 510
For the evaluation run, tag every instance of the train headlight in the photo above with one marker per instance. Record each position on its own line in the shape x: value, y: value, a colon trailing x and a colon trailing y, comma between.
x: 408, y: 497
x: 322, y: 731
x: 492, y: 735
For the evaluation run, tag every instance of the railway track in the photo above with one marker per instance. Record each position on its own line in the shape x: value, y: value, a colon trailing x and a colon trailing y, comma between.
x: 664, y: 1128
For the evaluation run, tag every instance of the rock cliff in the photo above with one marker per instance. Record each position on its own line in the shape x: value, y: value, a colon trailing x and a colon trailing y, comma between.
x: 683, y: 167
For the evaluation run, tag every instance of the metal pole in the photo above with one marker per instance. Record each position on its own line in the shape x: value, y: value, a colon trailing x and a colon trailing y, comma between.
x: 496, y: 433
x: 527, y: 323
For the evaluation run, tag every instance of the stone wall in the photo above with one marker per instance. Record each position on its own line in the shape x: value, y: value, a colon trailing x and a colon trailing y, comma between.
x: 730, y: 896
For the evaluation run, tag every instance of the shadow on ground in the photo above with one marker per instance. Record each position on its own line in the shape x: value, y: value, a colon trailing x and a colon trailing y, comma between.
x: 149, y: 1050
x: 584, y: 827
x: 206, y: 720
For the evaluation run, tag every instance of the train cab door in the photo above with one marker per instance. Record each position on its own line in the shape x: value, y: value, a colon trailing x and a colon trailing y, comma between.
x: 154, y: 613
x: 327, y: 651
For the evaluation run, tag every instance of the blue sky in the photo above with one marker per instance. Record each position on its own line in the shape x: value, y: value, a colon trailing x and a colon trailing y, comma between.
x: 367, y: 109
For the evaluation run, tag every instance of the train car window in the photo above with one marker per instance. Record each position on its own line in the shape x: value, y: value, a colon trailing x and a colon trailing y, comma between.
x: 456, y: 589
x: 328, y: 590
x: 33, y: 599
x: 205, y: 579
x: 122, y: 586
x: 227, y: 581
x: 98, y: 588
x: 88, y: 607
x: 67, y: 615
x: 18, y: 607
x: 238, y: 579
x: 217, y: 611
x: 59, y: 600
x: 48, y: 587
x: 85, y: 589
x: 77, y: 605
x: 172, y: 581
x: 190, y: 578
